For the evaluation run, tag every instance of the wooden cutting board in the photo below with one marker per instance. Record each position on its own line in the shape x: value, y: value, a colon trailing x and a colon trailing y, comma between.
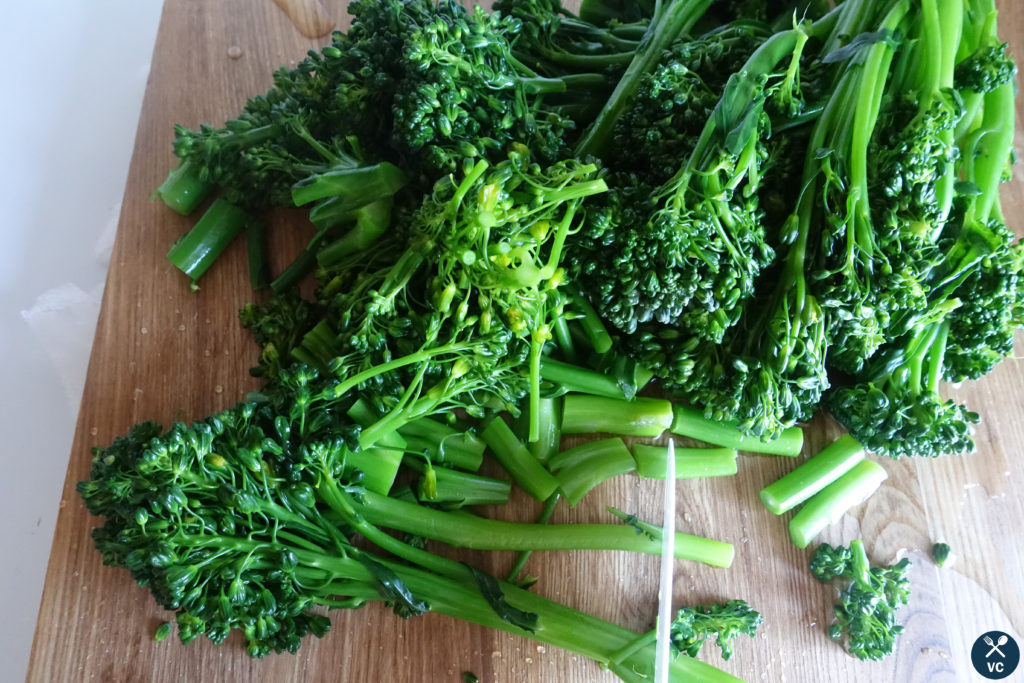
x: 165, y: 353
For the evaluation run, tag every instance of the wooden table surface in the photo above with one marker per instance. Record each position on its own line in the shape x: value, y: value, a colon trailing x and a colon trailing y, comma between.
x: 164, y: 353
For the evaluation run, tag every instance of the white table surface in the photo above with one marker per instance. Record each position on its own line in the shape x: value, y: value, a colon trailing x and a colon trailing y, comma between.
x: 74, y: 73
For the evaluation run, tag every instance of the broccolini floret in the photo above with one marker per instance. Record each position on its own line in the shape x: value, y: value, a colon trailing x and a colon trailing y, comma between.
x: 721, y: 623
x: 866, y: 612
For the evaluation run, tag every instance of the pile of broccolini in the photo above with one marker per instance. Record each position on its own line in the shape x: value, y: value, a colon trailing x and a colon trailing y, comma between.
x: 524, y: 218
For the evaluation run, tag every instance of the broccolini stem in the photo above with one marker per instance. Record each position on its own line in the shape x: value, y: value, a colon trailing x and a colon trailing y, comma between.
x: 363, y: 184
x: 256, y: 246
x: 691, y: 423
x: 450, y: 486
x: 444, y: 444
x: 558, y: 625
x: 592, y: 325
x: 583, y: 467
x: 518, y: 460
x: 196, y: 251
x: 183, y: 190
x: 371, y: 222
x: 691, y: 463
x: 861, y: 567
x: 714, y: 553
x: 832, y: 502
x: 813, y: 475
x: 463, y: 530
x: 582, y: 414
x: 577, y: 379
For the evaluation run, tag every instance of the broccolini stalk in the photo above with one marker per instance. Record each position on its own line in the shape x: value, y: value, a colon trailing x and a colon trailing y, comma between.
x: 574, y: 378
x: 812, y: 475
x: 454, y: 488
x: 714, y: 553
x: 583, y: 414
x: 692, y: 423
x: 690, y: 463
x: 196, y: 250
x: 183, y: 190
x: 581, y: 468
x: 517, y: 459
x: 464, y: 530
x: 444, y: 444
x: 832, y: 502
x: 546, y: 513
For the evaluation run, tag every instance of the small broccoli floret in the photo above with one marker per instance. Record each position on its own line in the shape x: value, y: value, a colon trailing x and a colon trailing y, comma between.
x: 941, y: 554
x: 894, y: 406
x: 866, y: 612
x: 983, y: 327
x: 829, y: 562
x: 985, y: 69
x: 720, y: 622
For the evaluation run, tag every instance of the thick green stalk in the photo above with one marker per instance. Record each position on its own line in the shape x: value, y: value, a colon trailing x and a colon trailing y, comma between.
x: 691, y: 463
x: 444, y: 444
x: 578, y: 379
x: 831, y: 503
x: 448, y: 487
x: 463, y: 530
x: 546, y: 513
x: 183, y: 190
x: 583, y: 467
x: 691, y: 423
x: 256, y: 246
x: 813, y: 475
x: 361, y: 185
x: 196, y: 251
x: 518, y: 460
x: 558, y: 625
x: 583, y: 414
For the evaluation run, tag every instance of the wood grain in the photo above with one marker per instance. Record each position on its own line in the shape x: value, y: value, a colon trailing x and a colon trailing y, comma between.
x: 162, y: 352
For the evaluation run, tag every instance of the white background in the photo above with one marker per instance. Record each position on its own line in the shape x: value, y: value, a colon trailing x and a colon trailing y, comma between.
x: 73, y: 74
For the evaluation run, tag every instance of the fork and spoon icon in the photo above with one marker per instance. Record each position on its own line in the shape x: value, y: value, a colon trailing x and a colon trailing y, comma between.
x: 1002, y: 640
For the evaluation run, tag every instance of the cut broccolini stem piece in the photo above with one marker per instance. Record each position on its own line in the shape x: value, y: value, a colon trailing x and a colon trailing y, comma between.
x: 362, y: 184
x: 197, y: 249
x: 690, y: 422
x: 517, y: 459
x: 580, y: 469
x: 549, y: 422
x: 813, y: 475
x: 690, y: 463
x: 464, y: 530
x: 455, y: 488
x: 379, y: 465
x: 371, y: 222
x: 687, y: 547
x: 582, y: 414
x: 579, y: 379
x: 832, y: 502
x: 183, y: 190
